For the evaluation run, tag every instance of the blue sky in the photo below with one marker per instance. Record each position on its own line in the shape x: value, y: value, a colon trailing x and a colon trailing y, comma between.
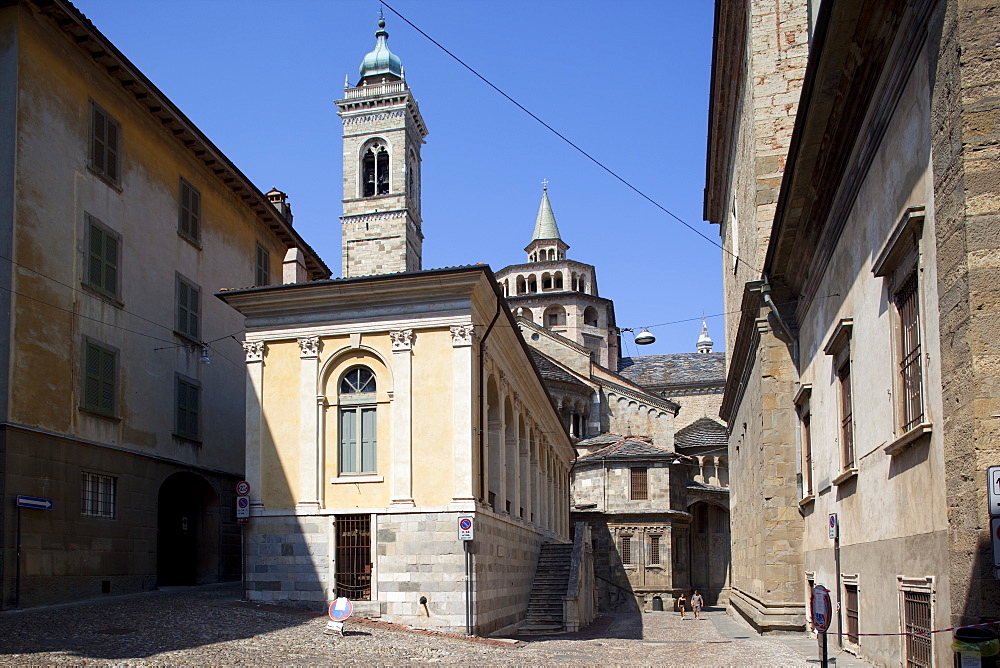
x: 626, y: 81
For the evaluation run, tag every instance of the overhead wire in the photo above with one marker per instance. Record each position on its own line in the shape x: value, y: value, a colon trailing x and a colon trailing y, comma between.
x: 568, y: 141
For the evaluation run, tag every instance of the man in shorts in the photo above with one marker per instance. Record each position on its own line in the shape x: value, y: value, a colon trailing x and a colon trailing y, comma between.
x: 696, y: 603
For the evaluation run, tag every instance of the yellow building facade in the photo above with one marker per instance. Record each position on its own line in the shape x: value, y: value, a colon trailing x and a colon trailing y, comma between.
x: 382, y: 409
x: 118, y: 219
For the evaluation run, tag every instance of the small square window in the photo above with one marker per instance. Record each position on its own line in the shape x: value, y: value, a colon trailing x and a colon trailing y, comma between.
x: 188, y: 308
x: 189, y: 215
x: 99, y: 495
x: 188, y: 397
x: 100, y: 378
x: 105, y: 144
x: 103, y: 257
x: 263, y: 275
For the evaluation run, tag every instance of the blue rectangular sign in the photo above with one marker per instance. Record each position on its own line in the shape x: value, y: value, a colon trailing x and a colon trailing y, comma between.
x: 34, y: 502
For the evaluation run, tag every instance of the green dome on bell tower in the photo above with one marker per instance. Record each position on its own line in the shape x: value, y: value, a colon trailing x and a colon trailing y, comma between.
x: 381, y: 62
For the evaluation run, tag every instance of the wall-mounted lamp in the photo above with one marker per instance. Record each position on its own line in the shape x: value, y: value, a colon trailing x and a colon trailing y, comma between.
x: 205, y: 359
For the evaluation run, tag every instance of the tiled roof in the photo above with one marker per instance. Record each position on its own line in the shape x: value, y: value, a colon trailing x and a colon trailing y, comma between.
x: 677, y: 369
x: 703, y: 432
x: 550, y: 371
x: 629, y: 446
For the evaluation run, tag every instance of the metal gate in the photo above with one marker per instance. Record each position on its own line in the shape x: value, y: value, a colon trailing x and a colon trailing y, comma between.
x: 354, y: 557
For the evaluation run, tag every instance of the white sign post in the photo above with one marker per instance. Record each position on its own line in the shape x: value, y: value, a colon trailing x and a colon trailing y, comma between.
x: 833, y: 526
x: 466, y: 527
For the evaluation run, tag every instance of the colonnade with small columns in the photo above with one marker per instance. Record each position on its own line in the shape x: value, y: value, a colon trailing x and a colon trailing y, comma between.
x: 520, y: 475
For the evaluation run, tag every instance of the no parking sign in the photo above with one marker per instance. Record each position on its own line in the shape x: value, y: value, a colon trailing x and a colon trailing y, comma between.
x: 466, y: 527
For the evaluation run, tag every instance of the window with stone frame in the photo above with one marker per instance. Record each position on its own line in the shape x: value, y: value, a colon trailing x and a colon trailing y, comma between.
x: 654, y: 550
x: 358, y: 423
x: 917, y: 620
x: 638, y: 490
x: 626, y: 550
x: 839, y: 348
x: 805, y: 439
x: 898, y: 263
x: 104, y: 149
x: 375, y: 176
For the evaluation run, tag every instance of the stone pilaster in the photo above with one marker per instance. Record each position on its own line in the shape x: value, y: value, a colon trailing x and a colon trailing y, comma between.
x: 255, y: 390
x: 309, y: 441
x: 462, y: 340
x: 401, y: 481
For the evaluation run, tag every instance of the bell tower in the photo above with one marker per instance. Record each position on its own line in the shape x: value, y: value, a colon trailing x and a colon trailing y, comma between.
x: 383, y: 133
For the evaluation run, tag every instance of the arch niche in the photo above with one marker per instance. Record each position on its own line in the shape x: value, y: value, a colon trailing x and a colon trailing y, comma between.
x: 187, y: 531
x: 710, y: 554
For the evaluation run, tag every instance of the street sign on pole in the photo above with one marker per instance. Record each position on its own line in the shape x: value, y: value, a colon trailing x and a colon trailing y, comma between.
x: 833, y: 526
x: 34, y: 502
x: 466, y: 527
x: 242, y: 507
x: 242, y: 488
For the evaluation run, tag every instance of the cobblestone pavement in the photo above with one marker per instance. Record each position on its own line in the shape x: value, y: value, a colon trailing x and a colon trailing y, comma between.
x: 208, y: 626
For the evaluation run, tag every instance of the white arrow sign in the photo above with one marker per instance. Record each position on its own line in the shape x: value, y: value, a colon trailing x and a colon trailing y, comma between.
x: 33, y: 502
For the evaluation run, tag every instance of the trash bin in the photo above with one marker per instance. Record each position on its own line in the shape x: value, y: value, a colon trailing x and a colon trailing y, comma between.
x: 976, y: 647
x: 657, y: 604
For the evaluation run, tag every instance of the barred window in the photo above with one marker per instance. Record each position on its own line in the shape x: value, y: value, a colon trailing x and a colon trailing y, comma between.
x: 917, y: 625
x: 98, y: 495
x: 626, y: 550
x: 104, y: 149
x: 654, y: 550
x: 911, y: 384
x: 639, y: 491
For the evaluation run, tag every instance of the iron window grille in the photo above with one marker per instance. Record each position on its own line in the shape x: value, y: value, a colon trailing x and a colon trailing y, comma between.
x: 910, y: 369
x: 638, y: 487
x: 98, y: 495
x: 354, y: 565
x: 654, y: 550
x: 627, y: 550
x: 917, y: 624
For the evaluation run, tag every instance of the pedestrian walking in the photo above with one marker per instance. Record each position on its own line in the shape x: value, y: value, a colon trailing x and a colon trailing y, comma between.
x: 681, y: 604
x: 696, y: 603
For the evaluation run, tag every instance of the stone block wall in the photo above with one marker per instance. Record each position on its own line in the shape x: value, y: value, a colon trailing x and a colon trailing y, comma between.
x: 288, y: 560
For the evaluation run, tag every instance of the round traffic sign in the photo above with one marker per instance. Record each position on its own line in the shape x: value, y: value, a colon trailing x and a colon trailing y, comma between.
x: 243, y: 488
x: 465, y: 524
x: 243, y: 502
x: 341, y: 609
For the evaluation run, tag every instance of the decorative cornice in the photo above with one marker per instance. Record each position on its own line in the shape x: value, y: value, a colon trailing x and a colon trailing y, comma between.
x: 309, y: 347
x: 352, y: 120
x: 402, y: 340
x: 372, y: 217
x: 254, y: 351
x: 463, y: 335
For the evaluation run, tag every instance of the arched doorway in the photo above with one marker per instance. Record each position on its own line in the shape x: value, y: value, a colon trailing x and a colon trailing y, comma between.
x: 187, y: 537
x: 710, y: 553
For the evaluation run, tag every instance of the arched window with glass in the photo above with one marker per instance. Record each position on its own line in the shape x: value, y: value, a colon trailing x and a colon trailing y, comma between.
x: 375, y: 170
x: 358, y: 427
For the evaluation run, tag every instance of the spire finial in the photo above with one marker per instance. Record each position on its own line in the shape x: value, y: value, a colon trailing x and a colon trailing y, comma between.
x: 545, y: 184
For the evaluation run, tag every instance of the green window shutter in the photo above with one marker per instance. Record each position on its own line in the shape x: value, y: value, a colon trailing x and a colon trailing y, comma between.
x: 100, y: 379
x: 368, y: 440
x: 348, y: 440
x: 95, y: 277
x: 110, y: 264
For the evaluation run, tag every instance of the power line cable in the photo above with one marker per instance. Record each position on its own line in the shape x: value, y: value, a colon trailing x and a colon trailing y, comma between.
x: 568, y: 141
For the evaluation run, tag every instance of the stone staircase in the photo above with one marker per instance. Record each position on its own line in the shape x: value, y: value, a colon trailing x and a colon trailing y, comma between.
x: 545, y: 607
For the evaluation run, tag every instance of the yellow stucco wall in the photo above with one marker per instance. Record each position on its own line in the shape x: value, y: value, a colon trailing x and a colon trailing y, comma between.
x: 280, y: 426
x: 433, y: 430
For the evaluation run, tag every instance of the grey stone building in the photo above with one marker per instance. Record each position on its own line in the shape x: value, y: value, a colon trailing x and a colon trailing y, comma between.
x: 853, y: 171
x: 628, y: 417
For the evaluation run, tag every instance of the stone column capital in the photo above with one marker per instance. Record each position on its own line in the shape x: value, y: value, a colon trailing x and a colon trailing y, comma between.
x: 309, y: 347
x: 254, y: 351
x: 402, y: 340
x: 463, y: 335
